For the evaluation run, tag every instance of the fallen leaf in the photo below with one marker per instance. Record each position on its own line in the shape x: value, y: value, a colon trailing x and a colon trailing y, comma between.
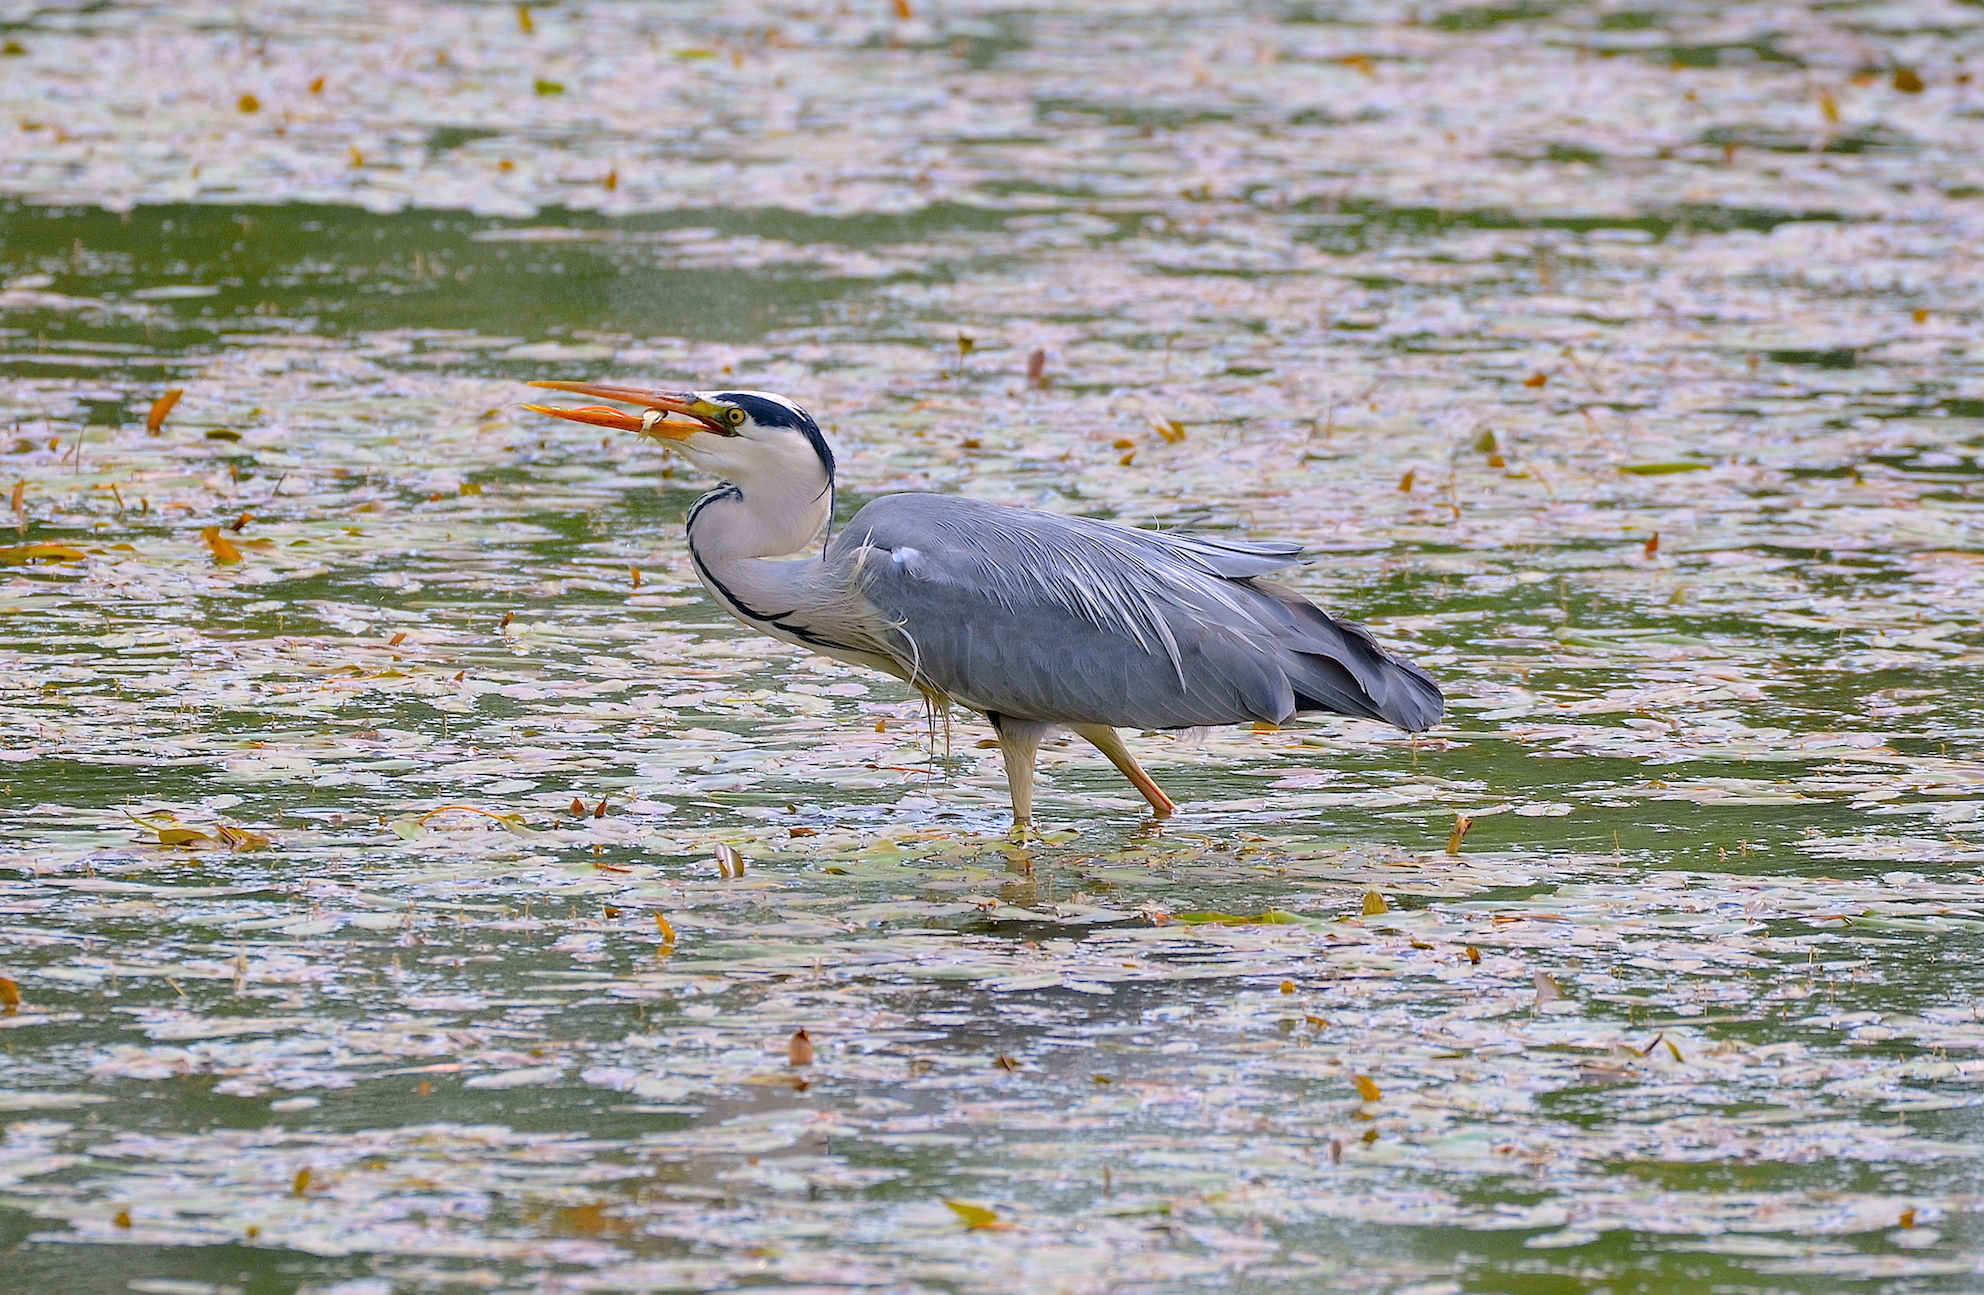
x: 729, y: 862
x: 977, y: 1217
x: 155, y: 418
x: 223, y: 548
x: 1661, y: 469
x: 240, y: 838
x: 21, y: 554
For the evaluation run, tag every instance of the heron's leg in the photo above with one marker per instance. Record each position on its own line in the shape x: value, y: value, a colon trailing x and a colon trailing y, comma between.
x: 1019, y: 743
x: 1106, y: 740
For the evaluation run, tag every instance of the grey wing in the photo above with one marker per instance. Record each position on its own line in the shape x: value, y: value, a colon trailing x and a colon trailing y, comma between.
x: 1069, y: 620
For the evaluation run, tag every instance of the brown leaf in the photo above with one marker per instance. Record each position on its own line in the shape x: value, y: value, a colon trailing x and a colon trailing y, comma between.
x: 1462, y: 825
x: 10, y: 995
x: 799, y: 1049
x: 1536, y: 380
x: 1907, y: 80
x: 160, y: 408
x: 1547, y: 988
x: 1652, y: 546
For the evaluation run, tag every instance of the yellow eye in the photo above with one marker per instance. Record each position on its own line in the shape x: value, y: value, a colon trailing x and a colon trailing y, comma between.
x: 735, y: 417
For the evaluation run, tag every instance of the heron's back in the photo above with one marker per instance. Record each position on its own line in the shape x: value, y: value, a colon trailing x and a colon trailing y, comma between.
x: 1068, y: 620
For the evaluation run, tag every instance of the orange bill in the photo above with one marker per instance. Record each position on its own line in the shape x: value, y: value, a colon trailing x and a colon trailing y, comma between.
x: 653, y: 421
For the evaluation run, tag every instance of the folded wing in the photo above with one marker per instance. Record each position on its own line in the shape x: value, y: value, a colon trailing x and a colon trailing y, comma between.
x: 1069, y: 620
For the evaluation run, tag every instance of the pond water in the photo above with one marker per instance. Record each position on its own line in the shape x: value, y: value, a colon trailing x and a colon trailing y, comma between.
x: 366, y: 744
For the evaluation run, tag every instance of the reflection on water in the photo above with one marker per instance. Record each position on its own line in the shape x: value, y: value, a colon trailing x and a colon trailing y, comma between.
x: 1616, y: 364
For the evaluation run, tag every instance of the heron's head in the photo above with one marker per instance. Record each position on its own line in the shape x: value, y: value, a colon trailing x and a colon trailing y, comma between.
x: 739, y: 435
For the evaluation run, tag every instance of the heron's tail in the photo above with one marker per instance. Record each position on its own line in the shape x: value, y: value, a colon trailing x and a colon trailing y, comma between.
x: 1337, y: 666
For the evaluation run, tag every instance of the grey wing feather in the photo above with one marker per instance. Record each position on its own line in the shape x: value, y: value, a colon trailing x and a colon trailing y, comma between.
x: 1065, y: 619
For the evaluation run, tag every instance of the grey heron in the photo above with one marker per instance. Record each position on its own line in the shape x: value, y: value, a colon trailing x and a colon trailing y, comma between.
x: 1036, y: 620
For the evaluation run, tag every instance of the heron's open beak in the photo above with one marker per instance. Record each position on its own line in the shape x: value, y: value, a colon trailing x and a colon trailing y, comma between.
x: 658, y: 404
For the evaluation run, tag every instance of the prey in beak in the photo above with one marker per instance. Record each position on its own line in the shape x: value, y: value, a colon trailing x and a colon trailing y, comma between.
x: 699, y: 415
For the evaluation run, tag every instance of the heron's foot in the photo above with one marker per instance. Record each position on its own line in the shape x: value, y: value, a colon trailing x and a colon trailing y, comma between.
x: 1106, y: 740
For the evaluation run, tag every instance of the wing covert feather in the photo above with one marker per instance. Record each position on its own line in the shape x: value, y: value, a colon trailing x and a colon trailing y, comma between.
x: 1070, y: 620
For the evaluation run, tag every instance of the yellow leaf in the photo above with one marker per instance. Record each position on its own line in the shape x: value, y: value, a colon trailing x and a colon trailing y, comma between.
x: 666, y: 929
x: 1374, y: 904
x: 240, y: 838
x: 1661, y: 469
x: 23, y: 553
x: 794, y: 1082
x: 978, y: 1218
x: 223, y: 547
x: 1369, y: 1091
x: 1272, y: 917
x: 10, y: 995
x: 173, y: 836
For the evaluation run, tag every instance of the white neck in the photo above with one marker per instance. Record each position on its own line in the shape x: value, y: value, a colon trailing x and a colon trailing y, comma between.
x: 762, y: 519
